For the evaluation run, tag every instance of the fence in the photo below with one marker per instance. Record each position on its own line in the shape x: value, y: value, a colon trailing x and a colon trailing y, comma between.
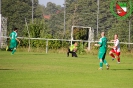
x: 67, y: 40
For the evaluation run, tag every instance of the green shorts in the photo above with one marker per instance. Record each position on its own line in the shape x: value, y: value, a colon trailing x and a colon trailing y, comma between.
x: 101, y: 55
x: 13, y: 44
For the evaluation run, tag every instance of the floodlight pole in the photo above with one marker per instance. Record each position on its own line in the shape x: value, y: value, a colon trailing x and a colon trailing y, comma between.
x: 0, y: 6
x: 64, y: 18
x: 32, y: 9
x: 0, y: 23
x: 129, y: 32
x: 97, y: 16
x: 129, y: 29
x: 72, y: 34
x: 28, y: 34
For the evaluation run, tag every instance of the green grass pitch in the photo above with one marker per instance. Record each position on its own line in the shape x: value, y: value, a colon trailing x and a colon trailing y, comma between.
x: 52, y: 70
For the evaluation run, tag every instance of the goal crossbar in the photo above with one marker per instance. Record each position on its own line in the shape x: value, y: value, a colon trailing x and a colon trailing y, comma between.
x: 89, y: 34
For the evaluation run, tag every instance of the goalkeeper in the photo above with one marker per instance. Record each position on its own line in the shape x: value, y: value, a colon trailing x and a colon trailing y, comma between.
x: 72, y: 49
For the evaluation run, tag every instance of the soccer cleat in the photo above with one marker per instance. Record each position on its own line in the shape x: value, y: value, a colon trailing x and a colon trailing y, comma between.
x: 108, y: 67
x: 112, y: 59
x: 6, y: 48
x: 118, y: 62
x: 100, y: 68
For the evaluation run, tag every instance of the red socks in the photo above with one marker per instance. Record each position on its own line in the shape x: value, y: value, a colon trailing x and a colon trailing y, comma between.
x: 112, y: 55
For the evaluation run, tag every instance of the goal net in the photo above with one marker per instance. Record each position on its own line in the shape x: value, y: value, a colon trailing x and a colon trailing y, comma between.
x: 85, y: 34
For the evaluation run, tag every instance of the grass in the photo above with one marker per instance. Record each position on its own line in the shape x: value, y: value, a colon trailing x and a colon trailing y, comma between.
x: 53, y: 70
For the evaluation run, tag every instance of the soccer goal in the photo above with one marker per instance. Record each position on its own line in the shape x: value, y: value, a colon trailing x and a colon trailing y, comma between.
x: 89, y: 34
x: 3, y: 31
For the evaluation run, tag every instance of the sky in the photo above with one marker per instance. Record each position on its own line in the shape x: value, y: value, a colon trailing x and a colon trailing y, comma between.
x: 57, y: 2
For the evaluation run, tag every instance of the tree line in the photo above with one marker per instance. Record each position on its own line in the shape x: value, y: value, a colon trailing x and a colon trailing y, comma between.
x: 49, y: 20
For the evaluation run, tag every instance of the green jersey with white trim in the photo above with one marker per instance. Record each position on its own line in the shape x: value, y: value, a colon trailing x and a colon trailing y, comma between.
x: 103, y: 44
x: 13, y: 35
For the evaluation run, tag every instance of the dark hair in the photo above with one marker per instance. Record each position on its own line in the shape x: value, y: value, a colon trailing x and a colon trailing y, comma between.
x: 15, y: 29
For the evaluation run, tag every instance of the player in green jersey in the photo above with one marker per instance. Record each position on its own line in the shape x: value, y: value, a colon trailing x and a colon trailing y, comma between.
x: 13, y: 41
x: 72, y: 49
x: 102, y: 51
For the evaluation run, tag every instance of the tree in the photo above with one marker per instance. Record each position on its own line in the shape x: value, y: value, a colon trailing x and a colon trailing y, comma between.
x: 16, y: 11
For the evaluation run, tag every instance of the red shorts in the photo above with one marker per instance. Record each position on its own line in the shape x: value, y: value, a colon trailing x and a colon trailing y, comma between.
x: 117, y: 53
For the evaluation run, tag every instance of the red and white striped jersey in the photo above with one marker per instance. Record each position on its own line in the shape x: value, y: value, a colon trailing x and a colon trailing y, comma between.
x: 117, y: 44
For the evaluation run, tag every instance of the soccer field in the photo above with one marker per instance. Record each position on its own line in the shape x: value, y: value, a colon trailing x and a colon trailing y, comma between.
x: 40, y: 70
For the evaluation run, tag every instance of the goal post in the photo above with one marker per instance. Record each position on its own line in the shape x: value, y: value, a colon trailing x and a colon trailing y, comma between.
x: 3, y: 31
x: 90, y: 35
x: 0, y: 30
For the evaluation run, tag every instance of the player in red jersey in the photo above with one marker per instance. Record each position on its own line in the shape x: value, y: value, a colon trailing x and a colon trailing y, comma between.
x: 115, y: 49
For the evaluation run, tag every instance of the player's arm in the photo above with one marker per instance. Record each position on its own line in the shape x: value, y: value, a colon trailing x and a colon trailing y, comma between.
x: 115, y: 46
x: 75, y: 49
x: 16, y: 37
x: 111, y: 46
x: 17, y: 40
x: 112, y: 40
x: 99, y: 43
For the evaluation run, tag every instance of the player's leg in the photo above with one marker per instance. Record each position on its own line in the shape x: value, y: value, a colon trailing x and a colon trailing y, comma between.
x: 13, y: 51
x: 11, y: 46
x: 107, y: 65
x: 68, y: 51
x: 111, y: 53
x: 74, y: 54
x: 100, y: 64
x: 118, y: 60
x: 7, y: 48
x: 118, y: 56
x: 14, y: 47
x: 100, y: 56
x: 105, y: 62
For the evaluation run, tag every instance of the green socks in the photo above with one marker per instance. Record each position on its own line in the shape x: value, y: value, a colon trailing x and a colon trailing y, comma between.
x: 14, y: 50
x: 105, y: 62
x: 101, y: 64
